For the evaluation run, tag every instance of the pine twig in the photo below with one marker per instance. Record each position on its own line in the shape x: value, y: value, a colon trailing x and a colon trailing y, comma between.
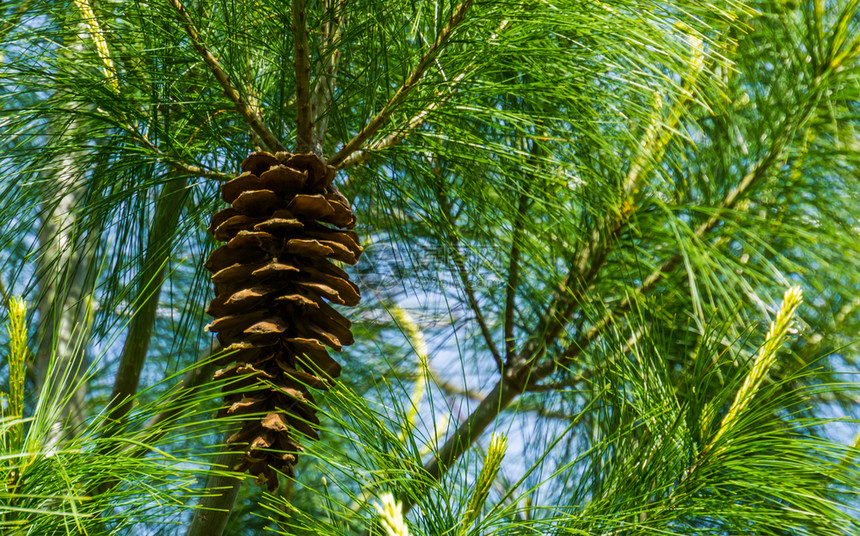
x: 514, y: 264
x: 360, y: 156
x: 578, y: 346
x: 523, y: 373
x: 513, y: 278
x: 363, y: 155
x: 14, y: 18
x: 403, y: 91
x: 301, y: 62
x: 4, y: 295
x: 191, y: 381
x: 467, y: 284
x: 230, y: 91
x: 178, y: 165
x: 153, y: 430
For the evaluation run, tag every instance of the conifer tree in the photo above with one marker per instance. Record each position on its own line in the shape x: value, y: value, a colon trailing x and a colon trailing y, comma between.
x: 606, y: 253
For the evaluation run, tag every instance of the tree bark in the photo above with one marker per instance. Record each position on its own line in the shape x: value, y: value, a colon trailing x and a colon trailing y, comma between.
x: 158, y: 249
x: 214, y: 511
x: 66, y: 278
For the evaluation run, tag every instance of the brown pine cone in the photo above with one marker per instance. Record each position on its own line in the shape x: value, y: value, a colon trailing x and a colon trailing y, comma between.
x: 273, y: 279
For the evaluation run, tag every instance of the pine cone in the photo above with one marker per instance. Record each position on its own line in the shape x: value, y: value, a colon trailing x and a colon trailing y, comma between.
x: 272, y: 280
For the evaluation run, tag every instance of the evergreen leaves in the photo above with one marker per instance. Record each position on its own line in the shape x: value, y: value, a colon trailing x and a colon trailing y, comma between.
x: 579, y: 217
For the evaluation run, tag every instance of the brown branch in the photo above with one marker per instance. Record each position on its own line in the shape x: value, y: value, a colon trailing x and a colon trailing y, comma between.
x: 513, y: 275
x: 459, y: 263
x: 522, y: 373
x: 159, y: 246
x: 506, y: 389
x: 230, y: 91
x: 178, y: 165
x: 514, y: 265
x: 590, y: 259
x: 301, y: 62
x: 210, y: 518
x: 362, y: 155
x: 577, y: 347
x: 517, y: 374
x: 403, y: 91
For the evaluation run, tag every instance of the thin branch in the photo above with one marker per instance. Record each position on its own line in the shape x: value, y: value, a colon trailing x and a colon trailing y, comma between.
x: 590, y: 259
x: 578, y: 346
x: 362, y: 155
x: 445, y: 386
x: 153, y: 430
x: 191, y: 381
x: 159, y: 246
x: 408, y: 86
x: 513, y: 276
x: 326, y: 72
x: 459, y: 263
x: 142, y: 140
x: 523, y: 373
x: 230, y: 91
x: 178, y: 165
x: 517, y: 375
x: 4, y: 295
x: 301, y: 62
x: 514, y: 264
x: 503, y: 393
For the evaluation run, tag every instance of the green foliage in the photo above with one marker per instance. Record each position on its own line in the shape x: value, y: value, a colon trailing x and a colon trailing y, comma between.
x: 83, y: 482
x: 594, y: 206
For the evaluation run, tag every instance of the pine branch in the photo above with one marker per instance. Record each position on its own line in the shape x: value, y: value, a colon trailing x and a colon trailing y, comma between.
x: 513, y: 277
x: 214, y: 510
x: 514, y: 263
x: 360, y: 156
x: 4, y: 295
x: 301, y: 62
x: 153, y: 431
x: 443, y: 385
x: 523, y: 372
x: 363, y: 155
x: 159, y: 247
x: 178, y: 165
x: 408, y: 86
x: 575, y: 349
x: 445, y: 205
x: 191, y: 381
x: 230, y: 91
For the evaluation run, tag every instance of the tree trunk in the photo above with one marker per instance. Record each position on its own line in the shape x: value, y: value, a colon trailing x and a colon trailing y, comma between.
x: 66, y: 277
